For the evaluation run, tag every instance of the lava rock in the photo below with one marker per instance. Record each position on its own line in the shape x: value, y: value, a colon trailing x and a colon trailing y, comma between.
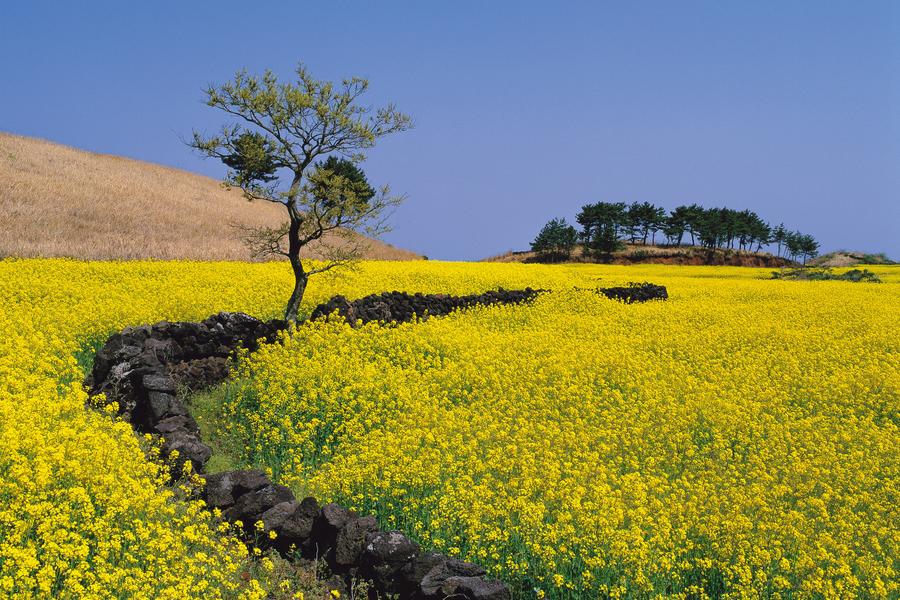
x: 139, y: 368
x: 399, y: 307
x: 351, y: 540
x: 180, y: 422
x: 338, y: 304
x: 166, y: 350
x: 295, y: 529
x: 158, y: 382
x: 152, y: 407
x: 474, y: 588
x: 137, y: 334
x: 275, y: 518
x: 250, y: 507
x: 411, y: 574
x: 384, y: 556
x: 200, y: 373
x: 434, y: 582
x: 140, y: 360
x: 327, y: 524
x: 189, y: 447
x: 635, y: 292
x: 223, y: 489
x: 165, y: 405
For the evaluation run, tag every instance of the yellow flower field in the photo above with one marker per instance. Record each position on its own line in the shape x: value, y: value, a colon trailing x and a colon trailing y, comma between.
x: 739, y: 439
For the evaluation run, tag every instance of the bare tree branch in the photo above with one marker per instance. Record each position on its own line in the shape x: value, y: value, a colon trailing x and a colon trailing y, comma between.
x: 264, y: 241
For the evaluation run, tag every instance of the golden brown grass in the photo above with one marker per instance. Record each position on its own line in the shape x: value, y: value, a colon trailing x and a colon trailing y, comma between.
x: 845, y: 258
x: 60, y: 201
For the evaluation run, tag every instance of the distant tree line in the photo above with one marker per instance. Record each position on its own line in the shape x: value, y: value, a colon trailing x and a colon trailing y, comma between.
x: 605, y: 226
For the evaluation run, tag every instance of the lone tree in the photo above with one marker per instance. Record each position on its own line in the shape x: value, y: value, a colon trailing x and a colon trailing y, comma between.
x: 271, y: 151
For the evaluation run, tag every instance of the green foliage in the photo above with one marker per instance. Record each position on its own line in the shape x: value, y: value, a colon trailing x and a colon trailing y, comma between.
x: 353, y: 181
x: 826, y: 274
x: 678, y: 222
x: 639, y: 255
x: 271, y: 149
x: 252, y: 159
x: 801, y: 245
x: 338, y: 184
x: 644, y: 219
x: 605, y: 225
x: 85, y: 354
x: 779, y: 236
x: 556, y: 239
x: 876, y: 259
x: 857, y: 275
x: 602, y: 223
x: 206, y: 408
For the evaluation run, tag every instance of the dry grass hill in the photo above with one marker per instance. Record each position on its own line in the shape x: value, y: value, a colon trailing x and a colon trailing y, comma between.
x: 60, y: 201
x: 846, y: 258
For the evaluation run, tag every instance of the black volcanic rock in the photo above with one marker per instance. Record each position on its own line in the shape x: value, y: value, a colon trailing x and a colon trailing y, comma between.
x: 401, y: 307
x: 635, y: 292
x: 144, y: 369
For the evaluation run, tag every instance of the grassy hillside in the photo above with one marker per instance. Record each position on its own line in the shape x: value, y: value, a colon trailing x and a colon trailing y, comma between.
x: 845, y: 258
x: 677, y: 255
x: 60, y: 201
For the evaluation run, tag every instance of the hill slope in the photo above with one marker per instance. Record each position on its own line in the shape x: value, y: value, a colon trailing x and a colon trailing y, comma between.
x: 678, y: 255
x: 60, y: 201
x: 844, y: 258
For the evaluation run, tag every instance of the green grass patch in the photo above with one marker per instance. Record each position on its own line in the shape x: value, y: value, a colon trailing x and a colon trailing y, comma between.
x: 826, y: 274
x: 85, y: 354
x: 85, y: 359
x: 876, y: 259
x: 229, y: 453
x: 206, y: 408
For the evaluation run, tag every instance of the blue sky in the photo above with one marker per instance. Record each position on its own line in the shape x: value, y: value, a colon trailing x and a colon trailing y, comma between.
x: 524, y: 111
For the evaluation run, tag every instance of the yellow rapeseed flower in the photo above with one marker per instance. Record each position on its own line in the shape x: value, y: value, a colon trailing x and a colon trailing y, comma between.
x: 739, y: 439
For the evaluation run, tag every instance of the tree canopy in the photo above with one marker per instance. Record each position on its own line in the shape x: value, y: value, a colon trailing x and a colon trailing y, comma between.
x: 605, y: 225
x: 278, y: 132
x: 556, y: 239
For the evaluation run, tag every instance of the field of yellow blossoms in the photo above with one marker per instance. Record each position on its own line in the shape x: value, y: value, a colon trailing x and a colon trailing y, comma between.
x: 739, y: 440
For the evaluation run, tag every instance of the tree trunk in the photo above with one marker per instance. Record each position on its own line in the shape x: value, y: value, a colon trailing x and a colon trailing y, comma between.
x: 300, y: 281
x: 301, y: 277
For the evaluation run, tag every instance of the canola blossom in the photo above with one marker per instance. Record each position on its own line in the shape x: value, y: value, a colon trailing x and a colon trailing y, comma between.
x: 83, y: 514
x: 740, y: 439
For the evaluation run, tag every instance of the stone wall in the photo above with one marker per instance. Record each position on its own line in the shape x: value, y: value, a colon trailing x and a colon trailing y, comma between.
x: 401, y: 307
x: 142, y: 369
x: 135, y: 368
x: 635, y: 292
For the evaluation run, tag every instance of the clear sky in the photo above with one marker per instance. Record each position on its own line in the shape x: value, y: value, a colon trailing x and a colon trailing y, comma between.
x: 523, y: 110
